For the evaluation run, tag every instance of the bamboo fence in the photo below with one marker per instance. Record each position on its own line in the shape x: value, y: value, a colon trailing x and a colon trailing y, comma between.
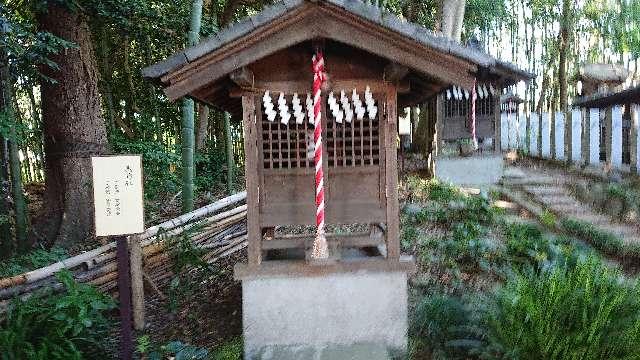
x: 219, y: 229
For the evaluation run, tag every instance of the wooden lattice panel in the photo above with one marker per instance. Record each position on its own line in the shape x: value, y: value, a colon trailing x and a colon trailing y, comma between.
x: 287, y: 146
x: 353, y: 144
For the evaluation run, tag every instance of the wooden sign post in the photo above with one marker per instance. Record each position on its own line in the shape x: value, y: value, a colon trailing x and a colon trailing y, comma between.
x: 119, y: 211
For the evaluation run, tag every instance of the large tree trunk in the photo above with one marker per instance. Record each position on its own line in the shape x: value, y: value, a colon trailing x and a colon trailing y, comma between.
x: 203, y: 127
x: 452, y: 18
x: 73, y: 131
x: 566, y: 25
x: 6, y: 236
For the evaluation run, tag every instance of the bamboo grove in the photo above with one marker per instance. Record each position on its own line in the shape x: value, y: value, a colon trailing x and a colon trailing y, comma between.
x: 127, y: 35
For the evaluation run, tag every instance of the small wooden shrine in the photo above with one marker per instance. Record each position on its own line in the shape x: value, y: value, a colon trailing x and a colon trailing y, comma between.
x: 456, y: 112
x: 264, y: 69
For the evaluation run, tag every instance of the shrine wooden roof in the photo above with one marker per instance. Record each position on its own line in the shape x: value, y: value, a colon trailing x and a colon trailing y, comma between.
x: 622, y: 97
x: 434, y: 61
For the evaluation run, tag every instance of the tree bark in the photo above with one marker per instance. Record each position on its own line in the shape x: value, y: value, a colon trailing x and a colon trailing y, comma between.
x: 228, y: 141
x: 73, y: 131
x: 6, y: 237
x: 452, y: 18
x: 566, y: 25
x: 37, y: 126
x: 203, y: 126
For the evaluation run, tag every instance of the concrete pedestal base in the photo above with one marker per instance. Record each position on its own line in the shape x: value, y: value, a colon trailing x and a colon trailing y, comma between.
x: 353, y: 315
x: 477, y: 170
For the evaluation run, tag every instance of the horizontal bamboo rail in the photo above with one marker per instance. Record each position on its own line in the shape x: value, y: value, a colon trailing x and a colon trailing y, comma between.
x: 219, y: 229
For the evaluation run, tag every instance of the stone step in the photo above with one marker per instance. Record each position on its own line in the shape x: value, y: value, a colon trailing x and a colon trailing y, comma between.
x: 620, y: 230
x: 519, y: 220
x: 538, y: 190
x: 595, y: 219
x: 559, y: 201
x: 632, y: 240
x: 530, y: 180
x: 573, y: 211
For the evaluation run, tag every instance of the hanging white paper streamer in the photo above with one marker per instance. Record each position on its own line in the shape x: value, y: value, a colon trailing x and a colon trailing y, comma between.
x: 268, y: 106
x: 357, y: 105
x: 371, y: 103
x: 348, y: 112
x: 338, y: 115
x: 310, y: 115
x: 492, y: 90
x: 448, y: 94
x: 284, y: 109
x: 297, y: 109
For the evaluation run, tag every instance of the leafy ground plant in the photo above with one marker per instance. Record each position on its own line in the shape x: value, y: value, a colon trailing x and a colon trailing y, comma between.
x: 231, y: 350
x: 68, y: 325
x: 582, y: 312
x: 443, y: 327
x: 32, y: 260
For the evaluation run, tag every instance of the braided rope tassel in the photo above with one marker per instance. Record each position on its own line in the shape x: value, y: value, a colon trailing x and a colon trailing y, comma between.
x: 320, y: 249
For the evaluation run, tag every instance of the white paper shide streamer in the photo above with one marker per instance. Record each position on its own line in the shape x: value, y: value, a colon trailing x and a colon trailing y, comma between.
x: 284, y: 109
x: 268, y: 107
x: 348, y: 112
x: 338, y: 114
x: 297, y: 109
x: 310, y: 115
x: 357, y: 105
x: 372, y: 109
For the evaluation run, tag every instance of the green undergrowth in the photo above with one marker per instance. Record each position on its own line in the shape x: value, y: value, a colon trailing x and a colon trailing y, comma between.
x: 71, y: 324
x: 32, y: 260
x: 604, y: 241
x: 488, y: 288
x: 231, y: 350
x: 584, y: 311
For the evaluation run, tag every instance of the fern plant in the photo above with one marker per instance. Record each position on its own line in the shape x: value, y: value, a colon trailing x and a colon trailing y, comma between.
x: 585, y: 312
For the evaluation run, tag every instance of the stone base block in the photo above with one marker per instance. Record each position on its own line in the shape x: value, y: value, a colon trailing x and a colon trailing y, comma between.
x: 358, y: 315
x: 478, y: 170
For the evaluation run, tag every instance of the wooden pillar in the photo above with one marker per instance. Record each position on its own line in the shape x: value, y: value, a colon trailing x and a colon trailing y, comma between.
x: 497, y: 124
x: 254, y: 233
x: 607, y: 134
x: 391, y: 173
x: 439, y: 143
x: 137, y: 287
x: 634, y: 138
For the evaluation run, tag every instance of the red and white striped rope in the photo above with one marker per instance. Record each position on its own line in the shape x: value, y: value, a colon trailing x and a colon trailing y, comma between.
x: 320, y: 249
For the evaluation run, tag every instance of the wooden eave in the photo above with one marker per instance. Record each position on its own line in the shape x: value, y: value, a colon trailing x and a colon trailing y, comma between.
x: 310, y: 21
x: 623, y: 97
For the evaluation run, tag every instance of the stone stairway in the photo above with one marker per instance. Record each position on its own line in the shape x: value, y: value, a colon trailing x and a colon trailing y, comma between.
x: 548, y: 189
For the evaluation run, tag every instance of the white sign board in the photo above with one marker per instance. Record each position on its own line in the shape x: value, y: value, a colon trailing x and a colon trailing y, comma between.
x: 117, y: 194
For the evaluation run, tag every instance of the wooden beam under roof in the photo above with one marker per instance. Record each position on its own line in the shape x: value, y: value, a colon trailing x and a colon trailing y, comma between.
x: 395, y: 72
x: 243, y: 77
